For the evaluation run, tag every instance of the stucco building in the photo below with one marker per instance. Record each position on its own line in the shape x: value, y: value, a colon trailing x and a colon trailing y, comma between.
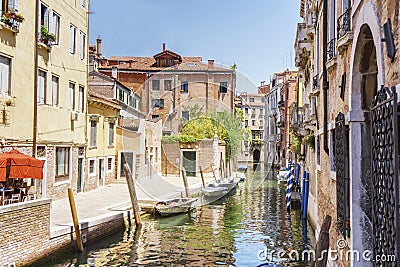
x: 279, y: 96
x: 346, y: 54
x: 253, y: 107
x: 44, y: 77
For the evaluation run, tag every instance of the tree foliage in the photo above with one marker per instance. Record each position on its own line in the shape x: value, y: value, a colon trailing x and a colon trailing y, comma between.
x: 227, y: 125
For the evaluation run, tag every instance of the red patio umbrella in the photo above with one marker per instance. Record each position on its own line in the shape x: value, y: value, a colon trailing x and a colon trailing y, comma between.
x: 21, y: 166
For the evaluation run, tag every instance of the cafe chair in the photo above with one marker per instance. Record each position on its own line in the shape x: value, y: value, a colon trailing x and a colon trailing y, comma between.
x: 15, y: 198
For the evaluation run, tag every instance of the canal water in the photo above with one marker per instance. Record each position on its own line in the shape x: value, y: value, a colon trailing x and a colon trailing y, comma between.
x: 242, y: 229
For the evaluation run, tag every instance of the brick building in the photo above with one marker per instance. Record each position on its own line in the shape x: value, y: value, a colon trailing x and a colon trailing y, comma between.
x: 350, y: 77
x: 170, y: 85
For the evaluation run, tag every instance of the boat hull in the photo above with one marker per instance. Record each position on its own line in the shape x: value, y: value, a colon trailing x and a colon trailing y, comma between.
x: 175, y: 206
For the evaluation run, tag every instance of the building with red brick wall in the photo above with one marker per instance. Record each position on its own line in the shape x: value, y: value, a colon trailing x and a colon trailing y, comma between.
x: 170, y: 85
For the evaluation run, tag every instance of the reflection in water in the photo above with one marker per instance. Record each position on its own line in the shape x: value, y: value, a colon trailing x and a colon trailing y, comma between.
x: 229, y: 232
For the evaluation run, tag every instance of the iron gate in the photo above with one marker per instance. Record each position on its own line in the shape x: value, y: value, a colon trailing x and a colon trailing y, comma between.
x: 385, y: 184
x: 341, y: 152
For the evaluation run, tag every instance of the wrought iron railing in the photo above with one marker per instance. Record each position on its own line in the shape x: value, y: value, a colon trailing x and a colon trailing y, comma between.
x: 344, y: 23
x: 11, y: 19
x: 330, y: 49
x: 316, y: 81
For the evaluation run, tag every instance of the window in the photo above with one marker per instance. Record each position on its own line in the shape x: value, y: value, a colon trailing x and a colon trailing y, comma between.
x: 251, y: 99
x: 261, y: 122
x: 184, y: 87
x: 185, y: 115
x: 223, y: 87
x: 121, y: 95
x: 246, y: 123
x: 55, y: 26
x: 62, y: 163
x: 93, y: 133
x: 41, y: 87
x: 72, y: 39
x: 71, y: 96
x: 44, y: 16
x: 81, y: 99
x: 55, y: 89
x: 246, y: 110
x: 167, y: 85
x: 109, y: 164
x: 154, y: 117
x: 82, y: 45
x: 91, y: 166
x: 253, y: 135
x: 332, y: 151
x: 253, y: 122
x: 5, y: 74
x: 111, y: 134
x: 155, y: 85
x: 158, y: 103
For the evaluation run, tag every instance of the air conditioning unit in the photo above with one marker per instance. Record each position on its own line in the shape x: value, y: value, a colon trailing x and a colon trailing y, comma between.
x: 74, y: 116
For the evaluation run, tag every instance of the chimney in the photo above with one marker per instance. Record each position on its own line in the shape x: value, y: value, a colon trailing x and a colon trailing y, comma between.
x: 211, y: 63
x: 114, y: 72
x: 163, y: 47
x: 98, y: 45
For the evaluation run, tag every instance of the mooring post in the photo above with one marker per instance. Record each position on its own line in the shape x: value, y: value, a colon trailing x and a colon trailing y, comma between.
x: 75, y: 220
x: 322, y: 246
x: 185, y: 182
x: 202, y: 177
x: 132, y: 194
x: 213, y: 170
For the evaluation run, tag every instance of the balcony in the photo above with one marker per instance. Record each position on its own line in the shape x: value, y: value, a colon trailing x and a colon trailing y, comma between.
x: 46, y: 38
x: 331, y: 54
x: 257, y: 142
x: 281, y: 104
x: 344, y: 33
x: 10, y: 20
x: 316, y: 85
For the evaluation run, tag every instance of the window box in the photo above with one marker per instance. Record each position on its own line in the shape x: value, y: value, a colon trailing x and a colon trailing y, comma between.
x: 47, y: 38
x: 11, y: 20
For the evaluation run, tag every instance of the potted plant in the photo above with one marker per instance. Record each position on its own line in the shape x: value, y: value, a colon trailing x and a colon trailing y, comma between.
x: 46, y: 37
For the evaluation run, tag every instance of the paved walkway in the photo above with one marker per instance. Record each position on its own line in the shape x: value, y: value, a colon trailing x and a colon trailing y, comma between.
x: 114, y: 198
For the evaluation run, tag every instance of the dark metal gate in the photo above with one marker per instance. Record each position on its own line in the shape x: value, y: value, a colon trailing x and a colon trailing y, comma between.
x: 341, y: 153
x: 385, y: 184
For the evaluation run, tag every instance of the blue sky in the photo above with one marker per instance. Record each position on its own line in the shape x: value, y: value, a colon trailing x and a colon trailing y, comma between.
x: 257, y: 35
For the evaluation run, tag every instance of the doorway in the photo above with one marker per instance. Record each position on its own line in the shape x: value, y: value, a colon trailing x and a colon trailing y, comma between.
x: 256, y: 156
x: 101, y: 171
x: 189, y: 162
x: 80, y: 175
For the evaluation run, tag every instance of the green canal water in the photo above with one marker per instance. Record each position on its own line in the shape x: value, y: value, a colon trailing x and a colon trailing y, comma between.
x: 229, y: 232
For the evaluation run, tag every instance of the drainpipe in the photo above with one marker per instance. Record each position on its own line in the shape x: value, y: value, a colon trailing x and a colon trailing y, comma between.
x: 325, y: 83
x: 35, y: 57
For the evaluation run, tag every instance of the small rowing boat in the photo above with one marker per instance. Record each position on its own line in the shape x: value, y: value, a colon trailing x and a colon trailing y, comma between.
x: 174, y: 206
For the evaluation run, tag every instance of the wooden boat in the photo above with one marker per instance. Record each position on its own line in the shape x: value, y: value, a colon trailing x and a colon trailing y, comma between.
x: 174, y: 206
x: 215, y: 191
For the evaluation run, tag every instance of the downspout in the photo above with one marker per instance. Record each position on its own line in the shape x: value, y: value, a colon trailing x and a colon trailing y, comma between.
x: 35, y: 56
x: 325, y: 83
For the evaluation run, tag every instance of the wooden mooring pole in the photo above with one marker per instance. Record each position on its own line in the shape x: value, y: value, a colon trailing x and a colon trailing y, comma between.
x: 132, y: 194
x: 79, y: 242
x: 202, y: 177
x: 322, y: 247
x: 185, y: 182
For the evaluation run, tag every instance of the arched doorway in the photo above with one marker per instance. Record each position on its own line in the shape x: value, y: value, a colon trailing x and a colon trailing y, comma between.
x: 364, y: 86
x: 256, y: 156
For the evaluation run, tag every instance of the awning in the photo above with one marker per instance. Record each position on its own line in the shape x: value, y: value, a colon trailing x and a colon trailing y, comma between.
x: 21, y: 166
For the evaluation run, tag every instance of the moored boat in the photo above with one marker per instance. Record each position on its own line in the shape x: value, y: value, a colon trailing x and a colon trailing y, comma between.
x: 174, y: 206
x: 215, y: 191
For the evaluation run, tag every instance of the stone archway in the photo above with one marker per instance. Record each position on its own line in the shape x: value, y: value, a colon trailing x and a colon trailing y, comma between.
x: 367, y: 74
x: 256, y: 156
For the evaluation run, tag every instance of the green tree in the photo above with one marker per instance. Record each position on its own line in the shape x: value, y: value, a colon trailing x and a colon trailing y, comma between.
x: 227, y: 125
